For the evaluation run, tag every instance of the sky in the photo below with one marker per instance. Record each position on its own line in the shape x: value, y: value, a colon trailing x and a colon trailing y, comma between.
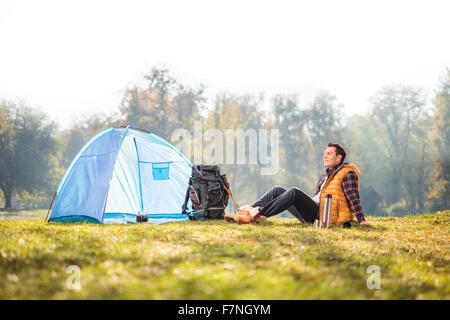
x: 74, y: 58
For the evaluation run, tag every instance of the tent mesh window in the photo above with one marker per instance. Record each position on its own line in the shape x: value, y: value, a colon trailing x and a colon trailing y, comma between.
x: 160, y: 171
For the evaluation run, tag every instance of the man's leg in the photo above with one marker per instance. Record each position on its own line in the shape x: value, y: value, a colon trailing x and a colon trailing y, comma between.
x: 293, y: 210
x: 271, y: 194
x: 304, y: 208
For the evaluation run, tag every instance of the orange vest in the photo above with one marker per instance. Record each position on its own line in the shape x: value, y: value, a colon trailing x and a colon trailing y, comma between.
x: 340, y: 209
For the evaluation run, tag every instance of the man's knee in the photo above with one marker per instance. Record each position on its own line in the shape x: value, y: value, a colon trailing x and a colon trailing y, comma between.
x: 277, y: 190
x: 295, y: 191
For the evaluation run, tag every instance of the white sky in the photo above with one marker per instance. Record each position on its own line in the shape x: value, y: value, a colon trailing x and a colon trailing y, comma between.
x: 76, y: 57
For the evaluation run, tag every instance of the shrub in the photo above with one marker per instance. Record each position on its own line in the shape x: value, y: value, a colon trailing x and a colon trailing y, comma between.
x: 398, y: 209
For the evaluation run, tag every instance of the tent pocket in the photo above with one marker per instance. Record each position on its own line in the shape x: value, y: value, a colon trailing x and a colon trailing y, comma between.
x: 160, y: 171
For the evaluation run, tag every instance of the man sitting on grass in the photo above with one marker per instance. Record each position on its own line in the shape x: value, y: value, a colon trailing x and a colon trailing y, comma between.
x: 343, y: 183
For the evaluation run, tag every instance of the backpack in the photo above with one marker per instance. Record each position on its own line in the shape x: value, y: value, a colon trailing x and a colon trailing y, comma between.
x: 207, y: 193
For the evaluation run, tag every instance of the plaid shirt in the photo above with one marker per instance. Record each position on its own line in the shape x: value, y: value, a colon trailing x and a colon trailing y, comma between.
x: 350, y: 188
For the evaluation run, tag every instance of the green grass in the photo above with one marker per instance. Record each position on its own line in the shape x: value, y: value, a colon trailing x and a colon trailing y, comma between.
x: 278, y: 259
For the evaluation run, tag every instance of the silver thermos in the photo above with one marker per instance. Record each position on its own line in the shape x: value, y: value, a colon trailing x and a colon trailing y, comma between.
x: 326, y: 214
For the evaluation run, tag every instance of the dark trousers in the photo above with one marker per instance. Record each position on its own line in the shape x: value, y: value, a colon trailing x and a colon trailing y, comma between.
x: 294, y: 200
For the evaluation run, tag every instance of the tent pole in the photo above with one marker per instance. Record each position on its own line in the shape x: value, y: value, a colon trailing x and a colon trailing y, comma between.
x: 139, y: 173
x: 51, y: 204
x: 112, y: 171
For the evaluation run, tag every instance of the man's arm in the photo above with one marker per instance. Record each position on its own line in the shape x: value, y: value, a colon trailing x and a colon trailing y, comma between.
x: 350, y: 187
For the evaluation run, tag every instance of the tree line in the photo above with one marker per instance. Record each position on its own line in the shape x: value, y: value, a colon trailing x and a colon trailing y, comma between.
x: 400, y: 145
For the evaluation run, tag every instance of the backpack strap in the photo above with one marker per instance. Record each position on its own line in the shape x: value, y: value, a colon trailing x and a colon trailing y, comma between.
x: 227, y: 188
x: 186, y: 199
x: 204, y: 192
x: 204, y: 198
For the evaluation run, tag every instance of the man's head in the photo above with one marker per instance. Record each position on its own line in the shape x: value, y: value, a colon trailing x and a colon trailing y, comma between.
x: 333, y: 155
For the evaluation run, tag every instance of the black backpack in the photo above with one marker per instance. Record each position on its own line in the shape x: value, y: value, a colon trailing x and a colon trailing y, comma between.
x: 207, y: 193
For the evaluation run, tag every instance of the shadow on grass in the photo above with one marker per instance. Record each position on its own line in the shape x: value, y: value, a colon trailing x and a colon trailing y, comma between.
x: 296, y: 224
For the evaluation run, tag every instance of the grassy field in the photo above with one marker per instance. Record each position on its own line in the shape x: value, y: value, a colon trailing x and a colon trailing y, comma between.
x: 277, y: 259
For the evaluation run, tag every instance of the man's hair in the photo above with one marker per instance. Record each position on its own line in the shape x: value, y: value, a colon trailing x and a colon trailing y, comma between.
x: 339, y: 150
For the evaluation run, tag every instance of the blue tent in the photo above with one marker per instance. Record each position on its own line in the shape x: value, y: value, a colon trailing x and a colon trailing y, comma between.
x: 120, y: 172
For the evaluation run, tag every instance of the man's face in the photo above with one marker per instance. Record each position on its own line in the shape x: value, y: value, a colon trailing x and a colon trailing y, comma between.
x: 330, y: 159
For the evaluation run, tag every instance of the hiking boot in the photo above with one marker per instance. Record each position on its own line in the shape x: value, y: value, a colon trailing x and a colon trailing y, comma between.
x: 242, y: 219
